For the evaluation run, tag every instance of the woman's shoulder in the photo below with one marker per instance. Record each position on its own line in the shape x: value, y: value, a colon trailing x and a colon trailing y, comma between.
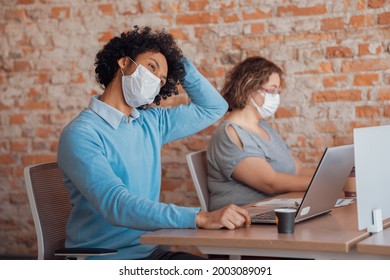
x: 228, y: 134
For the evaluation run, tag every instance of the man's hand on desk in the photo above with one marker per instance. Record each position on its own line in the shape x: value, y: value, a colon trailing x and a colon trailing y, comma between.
x: 230, y: 217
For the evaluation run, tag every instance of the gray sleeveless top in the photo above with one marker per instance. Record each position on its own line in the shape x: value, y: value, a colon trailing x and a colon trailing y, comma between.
x: 223, y: 156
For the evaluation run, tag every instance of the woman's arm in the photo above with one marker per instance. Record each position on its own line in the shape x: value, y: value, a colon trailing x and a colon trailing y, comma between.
x: 301, y: 170
x: 258, y: 174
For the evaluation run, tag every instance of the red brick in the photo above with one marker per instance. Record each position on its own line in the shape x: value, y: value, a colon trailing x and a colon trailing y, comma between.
x: 386, y: 78
x: 60, y: 12
x: 361, y: 5
x: 231, y: 18
x: 363, y: 49
x: 105, y: 36
x: 197, y: 143
x: 4, y: 107
x: 106, y: 9
x: 15, y: 14
x: 365, y: 65
x: 25, y: 2
x: 362, y: 21
x: 168, y: 185
x: 337, y: 95
x: 366, y: 79
x: 32, y: 93
x: 301, y: 142
x: 54, y: 147
x: 257, y: 28
x: 43, y: 132
x: 40, y: 78
x: 325, y: 126
x: 37, y: 105
x: 156, y: 7
x: 35, y: 159
x: 384, y: 18
x: 322, y: 67
x: 306, y: 11
x: 365, y: 123
x: 198, y: 5
x: 343, y: 140
x: 22, y: 65
x: 198, y: 18
x: 325, y: 67
x: 375, y: 4
x: 310, y: 156
x: 59, y: 118
x: 284, y: 112
x: 386, y: 111
x: 332, y: 24
x: 78, y: 78
x: 6, y: 159
x: 200, y: 30
x: 383, y: 94
x: 311, y: 37
x: 213, y: 72
x: 17, y: 119
x: 338, y: 51
x: 179, y: 33
x: 367, y: 112
x: 334, y: 81
x: 19, y: 145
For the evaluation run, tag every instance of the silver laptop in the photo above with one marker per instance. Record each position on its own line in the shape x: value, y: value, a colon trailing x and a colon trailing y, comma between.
x: 324, y: 189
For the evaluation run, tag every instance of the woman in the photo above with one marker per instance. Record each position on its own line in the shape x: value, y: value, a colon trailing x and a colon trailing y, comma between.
x: 247, y: 160
x: 110, y: 155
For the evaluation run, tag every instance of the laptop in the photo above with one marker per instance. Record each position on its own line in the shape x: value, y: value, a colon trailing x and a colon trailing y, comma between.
x: 321, y: 196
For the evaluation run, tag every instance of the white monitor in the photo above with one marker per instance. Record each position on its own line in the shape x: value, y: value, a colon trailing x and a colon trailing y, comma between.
x: 372, y: 168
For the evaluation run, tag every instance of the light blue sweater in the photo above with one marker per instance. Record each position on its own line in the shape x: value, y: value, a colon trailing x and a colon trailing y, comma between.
x: 111, y: 164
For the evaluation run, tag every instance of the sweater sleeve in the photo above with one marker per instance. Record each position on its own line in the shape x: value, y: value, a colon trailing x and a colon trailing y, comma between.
x: 206, y: 107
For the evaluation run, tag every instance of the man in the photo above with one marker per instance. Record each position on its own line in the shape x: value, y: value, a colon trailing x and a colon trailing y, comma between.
x: 110, y: 155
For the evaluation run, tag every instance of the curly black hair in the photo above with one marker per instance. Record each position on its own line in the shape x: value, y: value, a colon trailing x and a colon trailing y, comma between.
x: 136, y: 42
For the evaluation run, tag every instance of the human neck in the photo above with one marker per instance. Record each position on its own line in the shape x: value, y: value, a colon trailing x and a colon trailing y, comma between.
x: 113, y: 96
x: 244, y: 117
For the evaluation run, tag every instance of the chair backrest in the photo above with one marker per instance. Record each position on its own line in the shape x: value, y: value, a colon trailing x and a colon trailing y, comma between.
x: 50, y: 207
x: 197, y: 164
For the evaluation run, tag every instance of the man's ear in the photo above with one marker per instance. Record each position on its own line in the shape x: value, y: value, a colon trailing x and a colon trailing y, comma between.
x: 122, y: 62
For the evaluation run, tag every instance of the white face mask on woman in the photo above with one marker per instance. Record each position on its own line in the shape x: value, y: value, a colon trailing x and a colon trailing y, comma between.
x: 141, y: 87
x: 270, y: 105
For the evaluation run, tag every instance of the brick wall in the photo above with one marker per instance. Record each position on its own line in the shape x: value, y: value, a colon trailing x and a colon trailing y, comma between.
x: 336, y: 55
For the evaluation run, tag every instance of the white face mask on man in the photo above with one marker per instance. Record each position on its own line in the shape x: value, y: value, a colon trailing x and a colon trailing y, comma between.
x: 270, y: 105
x: 141, y: 87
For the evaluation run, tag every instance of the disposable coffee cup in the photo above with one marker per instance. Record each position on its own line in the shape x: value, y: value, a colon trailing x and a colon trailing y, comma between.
x: 285, y: 219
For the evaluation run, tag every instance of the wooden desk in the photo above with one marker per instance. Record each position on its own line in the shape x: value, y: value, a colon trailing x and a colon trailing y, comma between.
x: 330, y: 236
x: 378, y: 243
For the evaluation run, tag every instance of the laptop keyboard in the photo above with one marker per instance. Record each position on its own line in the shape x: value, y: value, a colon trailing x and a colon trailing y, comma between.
x: 266, y: 216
